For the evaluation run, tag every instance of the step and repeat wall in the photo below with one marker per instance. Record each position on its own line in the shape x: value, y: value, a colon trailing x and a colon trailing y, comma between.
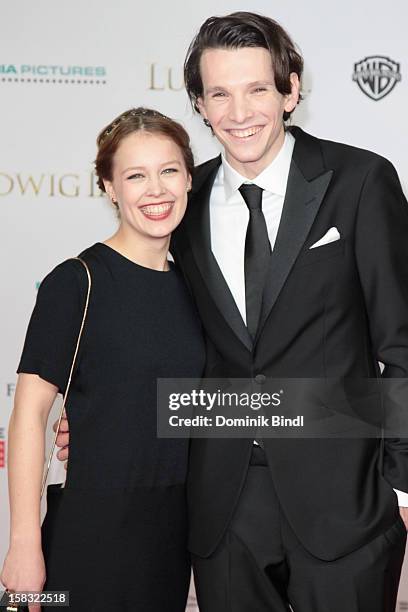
x: 68, y: 68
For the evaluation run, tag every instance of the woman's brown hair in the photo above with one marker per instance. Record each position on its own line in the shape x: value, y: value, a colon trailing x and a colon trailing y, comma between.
x: 135, y: 120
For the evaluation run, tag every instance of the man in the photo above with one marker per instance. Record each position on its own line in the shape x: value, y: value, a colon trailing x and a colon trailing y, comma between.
x: 294, y: 249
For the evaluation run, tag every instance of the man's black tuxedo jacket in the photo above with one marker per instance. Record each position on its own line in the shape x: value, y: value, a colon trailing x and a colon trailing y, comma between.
x: 332, y: 311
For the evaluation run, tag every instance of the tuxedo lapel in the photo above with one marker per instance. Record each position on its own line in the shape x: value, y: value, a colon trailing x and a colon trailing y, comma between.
x: 308, y: 182
x: 198, y: 227
x: 307, y: 185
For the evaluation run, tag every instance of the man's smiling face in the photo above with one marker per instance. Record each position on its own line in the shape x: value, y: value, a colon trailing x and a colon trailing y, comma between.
x: 243, y: 106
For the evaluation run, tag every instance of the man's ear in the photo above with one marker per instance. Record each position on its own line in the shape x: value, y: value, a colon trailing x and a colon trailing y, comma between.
x: 201, y: 108
x: 293, y: 98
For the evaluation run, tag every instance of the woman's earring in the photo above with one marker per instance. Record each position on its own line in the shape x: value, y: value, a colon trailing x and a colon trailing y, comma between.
x: 207, y: 123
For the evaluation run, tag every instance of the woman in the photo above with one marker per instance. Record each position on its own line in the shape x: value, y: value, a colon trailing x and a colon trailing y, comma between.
x: 115, y: 537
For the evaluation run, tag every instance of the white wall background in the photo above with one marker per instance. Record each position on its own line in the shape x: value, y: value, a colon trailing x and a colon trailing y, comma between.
x: 48, y: 130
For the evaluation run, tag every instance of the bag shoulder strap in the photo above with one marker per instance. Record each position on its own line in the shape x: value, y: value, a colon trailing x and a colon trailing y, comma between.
x: 88, y: 273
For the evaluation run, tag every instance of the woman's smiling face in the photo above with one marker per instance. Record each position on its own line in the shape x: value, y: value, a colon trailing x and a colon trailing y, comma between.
x: 149, y: 182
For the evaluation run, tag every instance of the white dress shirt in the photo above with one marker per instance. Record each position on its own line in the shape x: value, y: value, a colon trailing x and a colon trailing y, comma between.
x: 229, y: 217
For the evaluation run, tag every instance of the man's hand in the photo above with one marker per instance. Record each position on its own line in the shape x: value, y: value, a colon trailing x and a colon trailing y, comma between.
x: 404, y: 516
x: 63, y: 439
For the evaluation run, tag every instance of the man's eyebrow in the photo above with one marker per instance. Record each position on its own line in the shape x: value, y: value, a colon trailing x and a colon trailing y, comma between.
x: 215, y: 88
x: 261, y: 83
x: 252, y: 84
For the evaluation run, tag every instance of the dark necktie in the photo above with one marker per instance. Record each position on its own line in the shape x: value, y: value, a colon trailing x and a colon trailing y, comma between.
x: 257, y: 255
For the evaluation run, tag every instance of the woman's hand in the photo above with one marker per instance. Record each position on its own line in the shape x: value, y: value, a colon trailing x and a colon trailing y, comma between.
x: 24, y: 570
x: 24, y: 567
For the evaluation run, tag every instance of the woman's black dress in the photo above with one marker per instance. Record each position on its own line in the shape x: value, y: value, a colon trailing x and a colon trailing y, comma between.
x: 115, y: 536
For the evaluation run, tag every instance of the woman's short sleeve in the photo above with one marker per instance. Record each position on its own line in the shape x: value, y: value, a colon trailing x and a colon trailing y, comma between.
x: 54, y: 325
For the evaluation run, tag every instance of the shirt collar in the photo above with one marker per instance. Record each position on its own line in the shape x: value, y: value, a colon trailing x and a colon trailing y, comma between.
x: 273, y: 178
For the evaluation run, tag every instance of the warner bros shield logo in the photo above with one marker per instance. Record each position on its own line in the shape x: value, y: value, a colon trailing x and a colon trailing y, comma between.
x: 376, y: 76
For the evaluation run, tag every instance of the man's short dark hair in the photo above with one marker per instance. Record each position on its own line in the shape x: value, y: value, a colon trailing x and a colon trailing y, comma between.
x: 237, y: 31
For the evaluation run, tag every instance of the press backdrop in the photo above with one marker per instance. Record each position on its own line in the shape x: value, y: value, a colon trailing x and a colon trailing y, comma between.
x: 68, y: 68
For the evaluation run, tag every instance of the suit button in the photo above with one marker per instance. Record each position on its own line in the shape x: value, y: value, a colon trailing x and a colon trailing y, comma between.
x: 260, y: 379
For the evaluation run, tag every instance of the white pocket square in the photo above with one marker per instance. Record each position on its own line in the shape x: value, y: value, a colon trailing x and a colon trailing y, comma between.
x: 330, y: 236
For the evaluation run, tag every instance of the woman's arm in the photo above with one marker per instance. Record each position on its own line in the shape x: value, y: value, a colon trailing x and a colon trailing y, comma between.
x: 24, y: 568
